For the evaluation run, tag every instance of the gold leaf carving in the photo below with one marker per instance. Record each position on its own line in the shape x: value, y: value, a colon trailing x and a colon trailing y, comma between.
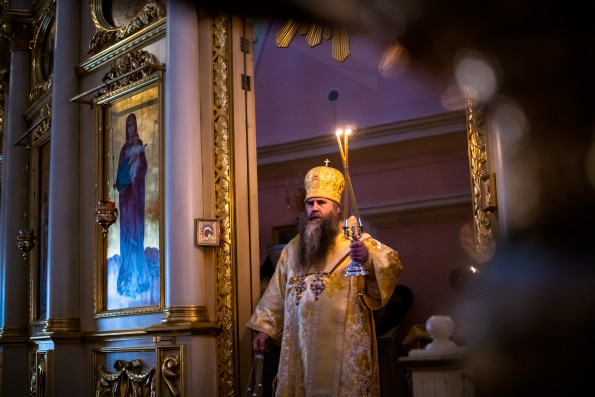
x: 40, y: 89
x: 17, y: 28
x: 107, y: 34
x: 128, y: 69
x: 170, y: 371
x: 37, y: 374
x: 43, y: 36
x: 485, y: 245
x: 44, y: 125
x: 127, y: 381
x: 226, y: 354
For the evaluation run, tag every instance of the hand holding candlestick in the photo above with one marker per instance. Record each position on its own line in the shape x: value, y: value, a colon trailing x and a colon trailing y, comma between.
x: 353, y: 233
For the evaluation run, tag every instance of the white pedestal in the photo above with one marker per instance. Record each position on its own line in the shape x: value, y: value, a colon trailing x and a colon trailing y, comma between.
x: 437, y: 370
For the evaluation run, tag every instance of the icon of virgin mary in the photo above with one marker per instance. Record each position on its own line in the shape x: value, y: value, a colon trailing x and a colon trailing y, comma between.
x: 133, y: 275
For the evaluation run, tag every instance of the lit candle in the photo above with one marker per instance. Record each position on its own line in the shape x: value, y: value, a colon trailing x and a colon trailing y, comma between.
x: 347, y: 132
x: 338, y: 133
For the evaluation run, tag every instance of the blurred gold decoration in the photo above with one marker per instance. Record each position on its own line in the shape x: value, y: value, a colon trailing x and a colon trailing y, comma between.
x: 106, y: 214
x: 314, y: 33
x: 417, y: 334
x: 484, y: 244
x: 26, y: 241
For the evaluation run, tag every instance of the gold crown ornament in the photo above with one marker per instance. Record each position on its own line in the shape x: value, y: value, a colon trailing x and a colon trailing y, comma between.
x: 326, y: 182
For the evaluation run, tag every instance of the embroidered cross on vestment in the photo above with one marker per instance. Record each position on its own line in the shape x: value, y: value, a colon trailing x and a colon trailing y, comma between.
x: 300, y: 288
x: 318, y: 285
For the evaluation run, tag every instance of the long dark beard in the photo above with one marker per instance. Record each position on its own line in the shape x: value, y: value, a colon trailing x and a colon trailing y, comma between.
x: 316, y: 240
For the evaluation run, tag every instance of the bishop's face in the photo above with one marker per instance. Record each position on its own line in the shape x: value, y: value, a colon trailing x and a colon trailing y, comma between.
x: 318, y: 227
x: 318, y: 208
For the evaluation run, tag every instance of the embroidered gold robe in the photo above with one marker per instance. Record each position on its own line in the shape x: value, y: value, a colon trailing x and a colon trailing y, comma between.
x: 327, y: 338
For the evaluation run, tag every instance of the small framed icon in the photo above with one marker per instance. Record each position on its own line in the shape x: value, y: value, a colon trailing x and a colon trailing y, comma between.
x: 207, y: 232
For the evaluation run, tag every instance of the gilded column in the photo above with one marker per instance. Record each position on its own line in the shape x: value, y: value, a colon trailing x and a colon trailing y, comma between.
x: 184, y: 261
x: 63, y: 236
x: 16, y: 28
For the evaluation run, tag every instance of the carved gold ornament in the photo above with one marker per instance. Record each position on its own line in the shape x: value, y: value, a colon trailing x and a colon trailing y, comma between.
x: 485, y: 246
x: 17, y: 28
x: 224, y: 300
x: 43, y: 125
x: 123, y: 20
x: 43, y: 52
x: 170, y: 372
x: 127, y: 381
x: 128, y: 69
x: 37, y: 373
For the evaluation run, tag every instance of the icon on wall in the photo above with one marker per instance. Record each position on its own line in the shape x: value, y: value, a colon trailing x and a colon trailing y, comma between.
x: 207, y: 232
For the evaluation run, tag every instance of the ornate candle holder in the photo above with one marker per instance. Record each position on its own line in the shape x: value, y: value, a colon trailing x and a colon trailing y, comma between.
x: 106, y: 214
x: 26, y: 241
x: 354, y: 233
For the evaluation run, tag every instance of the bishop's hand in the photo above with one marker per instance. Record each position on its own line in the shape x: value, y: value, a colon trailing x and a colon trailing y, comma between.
x: 358, y: 251
x: 261, y: 342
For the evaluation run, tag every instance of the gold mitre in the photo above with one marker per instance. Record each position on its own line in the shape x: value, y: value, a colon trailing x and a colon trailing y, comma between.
x: 326, y: 182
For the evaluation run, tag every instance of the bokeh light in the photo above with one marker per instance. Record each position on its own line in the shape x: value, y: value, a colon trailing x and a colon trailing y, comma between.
x: 476, y: 76
x: 395, y: 61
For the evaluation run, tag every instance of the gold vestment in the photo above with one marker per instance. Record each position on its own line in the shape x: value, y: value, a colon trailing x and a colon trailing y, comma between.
x: 327, y: 338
